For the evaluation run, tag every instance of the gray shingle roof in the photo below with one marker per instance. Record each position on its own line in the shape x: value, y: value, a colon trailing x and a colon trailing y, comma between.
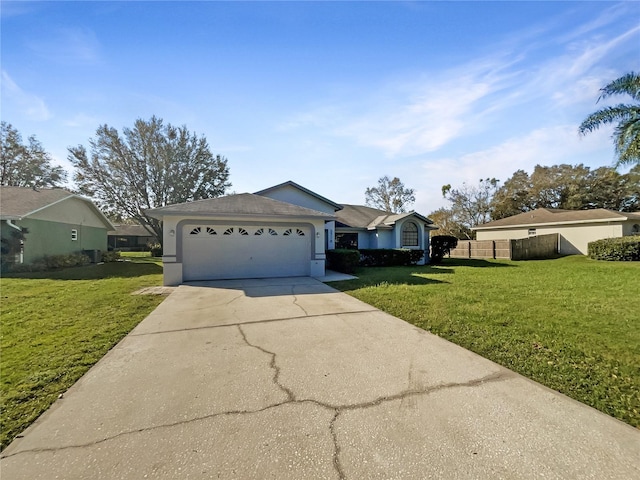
x: 243, y: 204
x: 18, y: 202
x: 359, y: 216
x: 542, y: 216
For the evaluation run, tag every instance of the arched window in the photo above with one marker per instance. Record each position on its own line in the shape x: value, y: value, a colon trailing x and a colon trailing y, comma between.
x: 409, y: 235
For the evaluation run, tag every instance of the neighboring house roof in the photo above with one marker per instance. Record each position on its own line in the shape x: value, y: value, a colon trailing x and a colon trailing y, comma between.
x: 17, y: 203
x: 131, y: 231
x: 550, y: 216
x: 337, y: 206
x: 240, y: 205
x: 359, y: 216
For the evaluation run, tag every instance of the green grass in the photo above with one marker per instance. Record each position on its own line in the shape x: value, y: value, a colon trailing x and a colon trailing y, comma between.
x: 572, y: 324
x: 56, y: 325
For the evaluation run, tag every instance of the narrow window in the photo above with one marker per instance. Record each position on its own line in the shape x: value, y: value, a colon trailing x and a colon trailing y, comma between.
x: 532, y: 232
x: 74, y: 234
x: 409, y: 235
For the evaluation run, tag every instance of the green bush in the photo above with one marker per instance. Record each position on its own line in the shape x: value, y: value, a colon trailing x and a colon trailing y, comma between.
x: 442, y: 245
x: 66, y: 261
x: 112, y: 256
x: 155, y: 249
x: 52, y: 262
x: 343, y: 260
x: 623, y: 249
x: 389, y: 257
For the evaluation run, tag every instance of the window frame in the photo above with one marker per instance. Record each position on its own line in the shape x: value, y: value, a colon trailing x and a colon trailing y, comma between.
x: 346, y: 240
x: 407, y: 237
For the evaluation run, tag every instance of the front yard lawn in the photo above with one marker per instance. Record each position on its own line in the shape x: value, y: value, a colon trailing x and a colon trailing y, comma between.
x: 572, y: 324
x: 56, y: 325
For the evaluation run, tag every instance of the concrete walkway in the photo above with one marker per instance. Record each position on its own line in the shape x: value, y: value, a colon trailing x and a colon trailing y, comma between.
x: 290, y: 379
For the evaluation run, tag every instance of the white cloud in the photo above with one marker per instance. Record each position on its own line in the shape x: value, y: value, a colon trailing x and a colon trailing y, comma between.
x: 16, y: 99
x: 421, y: 116
x: 424, y: 123
x: 69, y: 46
x: 596, y: 50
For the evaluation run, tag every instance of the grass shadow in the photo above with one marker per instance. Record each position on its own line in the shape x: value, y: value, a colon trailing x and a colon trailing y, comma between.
x: 373, y: 276
x: 475, y: 262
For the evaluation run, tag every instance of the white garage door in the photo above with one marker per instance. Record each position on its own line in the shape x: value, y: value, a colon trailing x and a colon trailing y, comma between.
x: 230, y: 251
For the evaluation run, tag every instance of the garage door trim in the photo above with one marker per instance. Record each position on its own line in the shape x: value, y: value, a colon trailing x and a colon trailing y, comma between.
x: 191, y: 221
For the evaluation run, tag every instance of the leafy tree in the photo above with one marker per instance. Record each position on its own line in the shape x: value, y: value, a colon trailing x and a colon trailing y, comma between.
x: 470, y: 204
x: 567, y: 187
x: 150, y: 165
x: 390, y: 195
x: 607, y: 188
x: 26, y: 165
x: 10, y: 247
x: 513, y: 197
x: 626, y: 135
x: 559, y: 186
x: 444, y: 219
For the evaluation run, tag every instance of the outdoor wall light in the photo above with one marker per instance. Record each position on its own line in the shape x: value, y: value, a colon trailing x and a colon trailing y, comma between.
x: 172, y: 233
x: 317, y: 234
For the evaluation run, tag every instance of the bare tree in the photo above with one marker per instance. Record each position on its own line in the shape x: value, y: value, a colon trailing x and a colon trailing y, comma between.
x: 471, y: 205
x: 390, y: 195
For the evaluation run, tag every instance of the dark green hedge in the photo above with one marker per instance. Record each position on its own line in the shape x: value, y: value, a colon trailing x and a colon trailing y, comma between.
x: 624, y: 249
x: 442, y: 245
x: 389, y: 257
x: 343, y: 260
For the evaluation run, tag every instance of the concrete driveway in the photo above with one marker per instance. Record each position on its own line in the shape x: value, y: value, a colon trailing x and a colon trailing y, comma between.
x: 290, y: 379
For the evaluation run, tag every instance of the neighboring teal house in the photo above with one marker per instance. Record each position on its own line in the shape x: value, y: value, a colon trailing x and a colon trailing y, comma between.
x: 57, y: 222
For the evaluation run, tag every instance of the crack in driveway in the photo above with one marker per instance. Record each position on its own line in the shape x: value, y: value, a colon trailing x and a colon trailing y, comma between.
x: 272, y: 364
x: 295, y: 301
x: 337, y: 409
x: 248, y: 322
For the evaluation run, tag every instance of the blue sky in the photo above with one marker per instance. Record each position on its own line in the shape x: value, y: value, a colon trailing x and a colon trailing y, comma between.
x: 331, y: 95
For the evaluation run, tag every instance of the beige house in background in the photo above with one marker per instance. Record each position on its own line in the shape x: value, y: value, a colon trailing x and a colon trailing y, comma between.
x: 575, y: 228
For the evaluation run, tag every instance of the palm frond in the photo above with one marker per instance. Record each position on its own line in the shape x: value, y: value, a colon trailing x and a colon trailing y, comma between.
x: 627, y: 141
x: 617, y: 113
x: 628, y: 84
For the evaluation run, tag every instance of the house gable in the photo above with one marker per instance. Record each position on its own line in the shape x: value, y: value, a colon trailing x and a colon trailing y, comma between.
x: 52, y: 205
x: 72, y: 211
x: 291, y: 192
